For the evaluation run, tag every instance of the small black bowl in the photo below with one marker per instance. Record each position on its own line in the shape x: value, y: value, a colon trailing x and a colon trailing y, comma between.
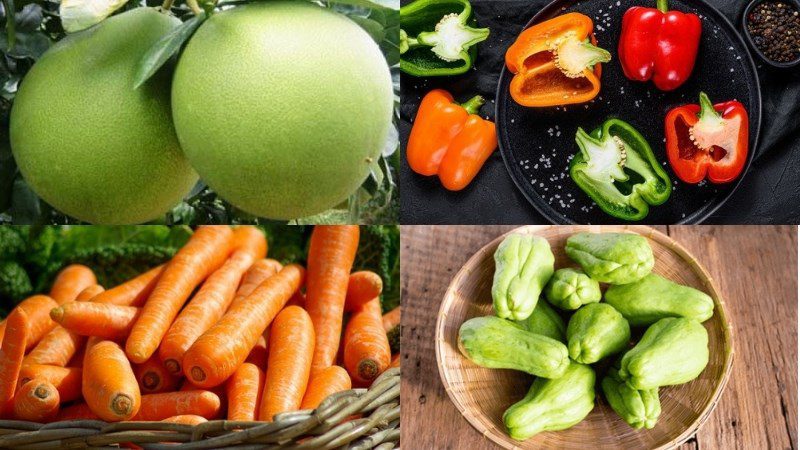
x: 749, y: 38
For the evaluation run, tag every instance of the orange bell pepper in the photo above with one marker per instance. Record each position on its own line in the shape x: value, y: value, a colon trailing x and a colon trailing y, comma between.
x: 556, y: 62
x: 450, y: 140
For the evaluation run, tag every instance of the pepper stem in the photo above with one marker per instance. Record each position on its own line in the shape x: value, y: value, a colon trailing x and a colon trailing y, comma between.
x: 474, y: 104
x: 662, y: 5
x: 707, y: 110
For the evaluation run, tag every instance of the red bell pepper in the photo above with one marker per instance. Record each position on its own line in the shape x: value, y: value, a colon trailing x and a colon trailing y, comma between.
x: 659, y: 44
x: 707, y: 140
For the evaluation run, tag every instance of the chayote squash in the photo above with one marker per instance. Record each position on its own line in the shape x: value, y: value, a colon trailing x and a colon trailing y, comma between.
x: 501, y: 344
x: 672, y: 351
x: 545, y: 320
x: 596, y: 331
x: 653, y: 297
x: 523, y: 264
x: 637, y: 408
x: 571, y: 288
x: 552, y: 405
x: 616, y: 258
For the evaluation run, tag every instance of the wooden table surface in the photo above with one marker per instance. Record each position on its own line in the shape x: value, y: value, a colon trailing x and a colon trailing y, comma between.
x: 755, y: 268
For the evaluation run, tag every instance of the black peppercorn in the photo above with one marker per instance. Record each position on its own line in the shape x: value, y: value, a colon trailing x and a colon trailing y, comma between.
x: 775, y: 28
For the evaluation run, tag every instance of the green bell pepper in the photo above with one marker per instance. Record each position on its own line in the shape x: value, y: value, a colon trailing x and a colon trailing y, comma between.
x: 617, y: 169
x: 436, y: 38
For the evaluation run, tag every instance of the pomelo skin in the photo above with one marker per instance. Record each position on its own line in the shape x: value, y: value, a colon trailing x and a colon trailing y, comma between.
x: 281, y: 106
x: 86, y: 141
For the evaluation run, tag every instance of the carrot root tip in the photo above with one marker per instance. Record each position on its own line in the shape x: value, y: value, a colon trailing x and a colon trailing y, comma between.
x: 173, y: 366
x: 122, y: 404
x: 41, y: 392
x: 368, y: 369
x: 151, y: 380
x: 198, y: 374
x: 57, y: 314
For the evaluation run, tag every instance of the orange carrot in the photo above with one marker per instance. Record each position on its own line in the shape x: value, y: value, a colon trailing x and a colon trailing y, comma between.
x: 109, y: 385
x: 154, y: 378
x: 205, y: 252
x: 362, y: 287
x: 113, y: 322
x: 223, y: 348
x: 395, y: 360
x: 391, y: 319
x: 70, y: 282
x: 36, y: 401
x: 37, y: 309
x: 133, y: 292
x: 244, y: 390
x: 186, y: 419
x: 289, y: 364
x: 213, y: 299
x: 161, y: 406
x: 366, y: 347
x: 255, y: 275
x: 11, y: 353
x: 258, y: 355
x: 78, y: 411
x: 330, y: 258
x: 66, y: 379
x: 323, y: 383
x: 298, y: 299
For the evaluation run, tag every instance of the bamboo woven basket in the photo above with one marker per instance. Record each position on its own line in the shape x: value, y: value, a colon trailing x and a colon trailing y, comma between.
x: 329, y: 426
x: 482, y: 395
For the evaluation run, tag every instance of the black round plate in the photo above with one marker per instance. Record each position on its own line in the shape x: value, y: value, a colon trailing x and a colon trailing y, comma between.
x: 537, y: 143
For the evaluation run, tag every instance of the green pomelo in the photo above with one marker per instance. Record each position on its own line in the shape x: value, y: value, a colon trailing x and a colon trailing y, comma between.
x: 281, y: 106
x: 86, y: 141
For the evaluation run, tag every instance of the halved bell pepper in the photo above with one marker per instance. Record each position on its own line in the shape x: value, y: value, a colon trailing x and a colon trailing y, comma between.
x: 436, y: 37
x: 450, y: 140
x: 707, y: 140
x: 618, y: 170
x: 556, y: 62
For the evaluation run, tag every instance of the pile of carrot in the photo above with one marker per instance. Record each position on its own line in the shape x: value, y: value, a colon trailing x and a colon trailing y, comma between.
x: 219, y: 331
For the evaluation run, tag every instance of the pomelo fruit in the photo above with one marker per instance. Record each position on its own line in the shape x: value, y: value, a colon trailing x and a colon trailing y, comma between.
x: 86, y: 141
x: 281, y: 106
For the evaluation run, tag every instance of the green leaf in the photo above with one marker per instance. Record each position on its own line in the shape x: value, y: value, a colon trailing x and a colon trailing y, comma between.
x: 11, y: 35
x: 27, y: 45
x: 165, y: 48
x: 365, y: 4
x: 372, y: 27
x: 8, y: 171
x: 25, y: 208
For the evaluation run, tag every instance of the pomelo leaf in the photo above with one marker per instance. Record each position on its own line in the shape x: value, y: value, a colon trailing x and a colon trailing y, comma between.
x: 373, y: 28
x: 165, y: 48
x: 77, y: 15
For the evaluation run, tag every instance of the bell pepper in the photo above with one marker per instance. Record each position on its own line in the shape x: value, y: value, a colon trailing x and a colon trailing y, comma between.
x: 707, y: 140
x: 450, y: 140
x: 618, y: 170
x: 436, y: 37
x: 659, y: 44
x: 556, y: 62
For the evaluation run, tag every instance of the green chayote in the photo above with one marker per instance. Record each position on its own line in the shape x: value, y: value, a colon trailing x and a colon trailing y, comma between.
x: 545, y: 320
x: 571, y: 288
x: 596, y: 331
x: 638, y: 408
x: 672, y: 351
x: 616, y: 258
x: 653, y: 297
x: 552, y: 405
x: 523, y: 265
x: 501, y: 344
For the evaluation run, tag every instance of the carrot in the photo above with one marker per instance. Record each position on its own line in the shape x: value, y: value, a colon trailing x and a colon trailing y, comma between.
x: 213, y: 299
x: 391, y: 319
x: 289, y: 364
x: 37, y: 309
x: 36, y: 401
x: 113, y: 322
x: 362, y: 287
x: 109, y: 385
x: 11, y: 353
x: 220, y: 391
x: 133, y: 292
x: 70, y: 282
x: 186, y: 419
x: 255, y: 275
x: 154, y: 378
x: 330, y: 258
x: 366, y: 347
x: 224, y: 347
x: 168, y: 404
x: 244, y: 390
x: 395, y: 360
x: 323, y: 383
x: 78, y: 411
x: 298, y: 299
x: 66, y: 379
x: 205, y: 252
x: 258, y: 355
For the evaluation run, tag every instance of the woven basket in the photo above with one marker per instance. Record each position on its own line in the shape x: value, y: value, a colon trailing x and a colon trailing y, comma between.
x: 329, y: 426
x: 482, y: 395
